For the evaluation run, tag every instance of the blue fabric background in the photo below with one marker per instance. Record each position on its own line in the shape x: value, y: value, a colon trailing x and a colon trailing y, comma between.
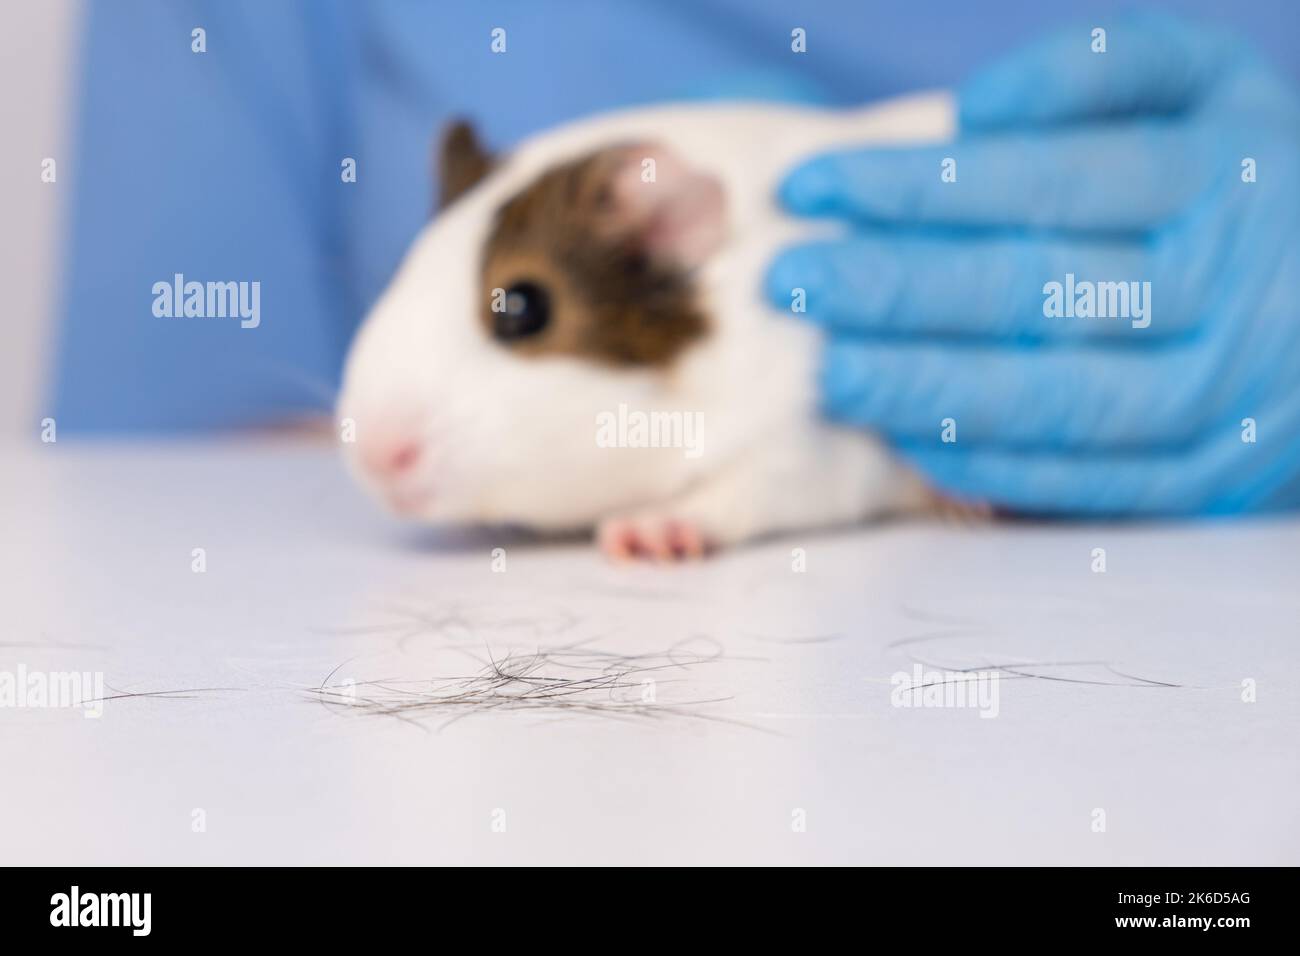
x: 225, y: 165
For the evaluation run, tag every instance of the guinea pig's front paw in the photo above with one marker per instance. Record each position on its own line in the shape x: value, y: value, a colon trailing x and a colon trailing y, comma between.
x: 651, y: 537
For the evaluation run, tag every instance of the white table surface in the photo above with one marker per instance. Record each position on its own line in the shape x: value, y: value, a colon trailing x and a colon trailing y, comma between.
x: 306, y: 579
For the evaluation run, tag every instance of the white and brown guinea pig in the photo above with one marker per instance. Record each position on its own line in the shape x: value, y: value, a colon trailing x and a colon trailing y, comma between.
x: 607, y: 271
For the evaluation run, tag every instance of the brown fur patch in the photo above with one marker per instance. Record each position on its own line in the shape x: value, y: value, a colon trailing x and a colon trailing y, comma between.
x: 611, y: 300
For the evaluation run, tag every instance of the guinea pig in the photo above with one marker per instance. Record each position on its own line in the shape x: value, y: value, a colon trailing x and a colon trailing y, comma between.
x: 579, y: 338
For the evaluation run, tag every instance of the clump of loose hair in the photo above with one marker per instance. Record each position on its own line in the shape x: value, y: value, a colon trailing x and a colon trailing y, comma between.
x: 563, y: 681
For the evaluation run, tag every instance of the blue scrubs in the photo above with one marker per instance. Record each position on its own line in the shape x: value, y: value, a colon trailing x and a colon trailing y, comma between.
x: 225, y: 166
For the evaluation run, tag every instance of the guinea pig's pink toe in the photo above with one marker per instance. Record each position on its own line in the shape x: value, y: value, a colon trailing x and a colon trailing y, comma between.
x: 686, y: 540
x: 651, y: 538
x: 617, y: 539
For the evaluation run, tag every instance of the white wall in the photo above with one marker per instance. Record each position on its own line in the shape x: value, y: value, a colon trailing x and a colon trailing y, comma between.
x: 38, y: 41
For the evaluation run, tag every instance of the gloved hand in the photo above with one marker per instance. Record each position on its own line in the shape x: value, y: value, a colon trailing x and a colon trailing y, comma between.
x: 1173, y: 159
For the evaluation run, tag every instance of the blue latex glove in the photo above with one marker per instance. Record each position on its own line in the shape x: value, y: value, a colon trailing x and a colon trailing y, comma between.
x: 1118, y: 166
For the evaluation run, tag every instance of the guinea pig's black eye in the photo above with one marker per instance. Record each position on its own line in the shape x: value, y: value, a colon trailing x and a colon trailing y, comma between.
x: 527, y: 311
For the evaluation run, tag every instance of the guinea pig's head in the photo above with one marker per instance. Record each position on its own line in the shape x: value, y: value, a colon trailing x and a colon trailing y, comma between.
x: 549, y: 293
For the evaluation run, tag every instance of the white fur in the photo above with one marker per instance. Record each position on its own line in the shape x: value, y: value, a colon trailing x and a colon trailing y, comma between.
x: 512, y: 439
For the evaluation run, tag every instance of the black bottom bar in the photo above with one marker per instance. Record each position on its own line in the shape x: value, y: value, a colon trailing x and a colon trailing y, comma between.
x: 332, y: 906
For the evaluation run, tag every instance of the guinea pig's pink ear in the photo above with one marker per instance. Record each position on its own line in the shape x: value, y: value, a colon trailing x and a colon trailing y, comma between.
x: 462, y: 162
x: 677, y: 212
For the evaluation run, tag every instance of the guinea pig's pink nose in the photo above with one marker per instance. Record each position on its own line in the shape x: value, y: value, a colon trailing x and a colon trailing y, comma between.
x: 388, y: 456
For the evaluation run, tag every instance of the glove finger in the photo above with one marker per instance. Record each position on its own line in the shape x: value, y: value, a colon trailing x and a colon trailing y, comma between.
x: 1077, y: 398
x: 1151, y: 64
x: 998, y: 286
x: 1127, y: 177
x: 1222, y: 474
